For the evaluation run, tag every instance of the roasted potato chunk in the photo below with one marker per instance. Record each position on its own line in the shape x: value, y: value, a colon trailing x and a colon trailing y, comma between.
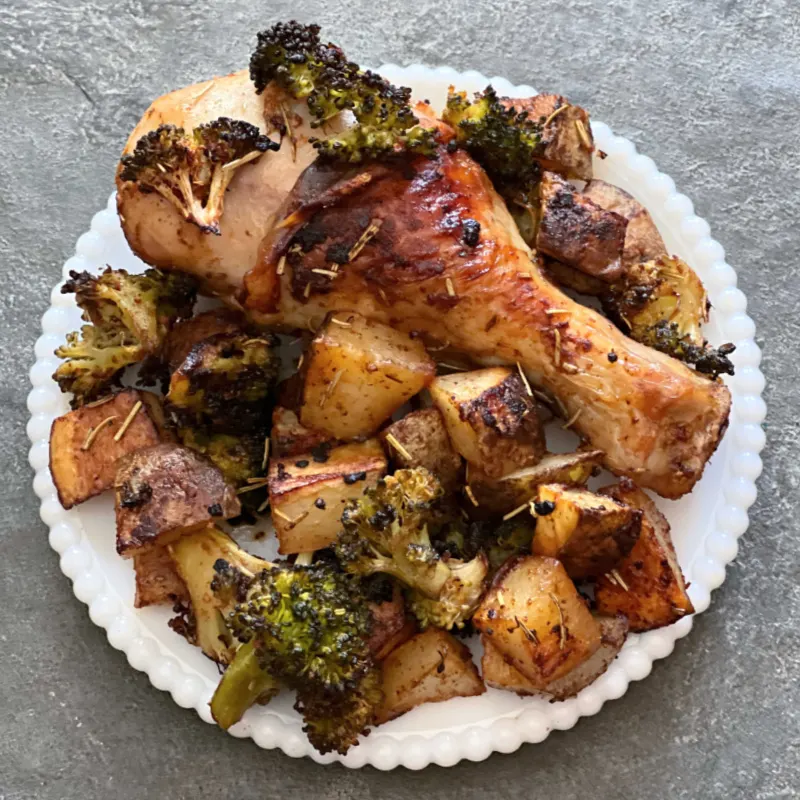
x: 390, y: 625
x: 491, y: 419
x: 307, y: 494
x: 157, y: 579
x: 578, y: 232
x: 290, y: 438
x: 535, y: 617
x: 358, y: 373
x: 643, y: 242
x: 518, y: 487
x: 567, y: 143
x: 648, y: 585
x: 499, y: 674
x: 587, y: 532
x: 83, y: 446
x: 189, y: 332
x: 165, y: 491
x: 420, y: 440
x: 429, y: 668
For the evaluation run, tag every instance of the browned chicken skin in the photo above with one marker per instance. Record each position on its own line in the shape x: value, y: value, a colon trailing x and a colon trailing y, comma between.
x: 656, y: 420
x: 419, y: 271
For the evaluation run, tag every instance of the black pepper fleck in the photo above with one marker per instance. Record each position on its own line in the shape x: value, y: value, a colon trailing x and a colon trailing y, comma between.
x: 612, y: 356
x: 472, y: 232
x: 215, y: 510
x: 354, y: 477
x: 544, y: 507
x: 319, y: 503
x: 302, y: 464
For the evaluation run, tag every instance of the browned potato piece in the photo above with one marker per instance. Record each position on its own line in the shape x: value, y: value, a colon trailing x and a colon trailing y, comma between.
x: 567, y: 143
x: 589, y: 533
x: 429, y: 668
x: 83, y: 453
x: 187, y: 333
x: 491, y: 419
x: 420, y: 440
x: 157, y: 579
x: 358, y: 373
x: 580, y: 282
x: 643, y: 242
x: 308, y: 496
x: 289, y: 437
x: 647, y: 586
x: 165, y: 491
x: 518, y: 487
x: 578, y: 232
x: 535, y: 617
x: 499, y: 674
x: 390, y: 626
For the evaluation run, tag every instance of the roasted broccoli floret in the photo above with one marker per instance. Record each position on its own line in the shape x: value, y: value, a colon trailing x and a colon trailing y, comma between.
x: 511, y: 538
x: 662, y: 303
x: 503, y: 141
x: 308, y: 627
x: 388, y: 530
x: 130, y: 316
x: 192, y: 169
x: 237, y: 457
x: 293, y: 56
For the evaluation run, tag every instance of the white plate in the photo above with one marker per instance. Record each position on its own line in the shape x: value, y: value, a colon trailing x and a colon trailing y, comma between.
x: 706, y: 524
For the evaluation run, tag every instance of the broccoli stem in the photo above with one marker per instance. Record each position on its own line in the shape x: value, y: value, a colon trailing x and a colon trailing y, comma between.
x: 242, y: 684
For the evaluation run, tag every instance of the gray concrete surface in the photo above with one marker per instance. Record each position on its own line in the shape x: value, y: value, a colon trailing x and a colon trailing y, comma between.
x: 709, y: 89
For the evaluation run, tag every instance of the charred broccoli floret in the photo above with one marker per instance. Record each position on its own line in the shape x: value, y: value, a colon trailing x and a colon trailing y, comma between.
x: 503, y: 141
x: 308, y: 628
x: 388, y: 530
x: 295, y: 58
x: 237, y: 457
x: 662, y: 303
x: 511, y: 538
x: 192, y: 169
x: 130, y: 316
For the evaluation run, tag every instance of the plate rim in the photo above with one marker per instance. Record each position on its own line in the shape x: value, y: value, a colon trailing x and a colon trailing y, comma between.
x: 745, y: 440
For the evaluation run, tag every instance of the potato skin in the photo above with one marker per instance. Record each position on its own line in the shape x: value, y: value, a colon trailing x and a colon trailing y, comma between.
x: 290, y: 438
x: 390, y: 625
x: 491, y: 419
x: 523, y: 612
x: 653, y: 591
x: 431, y: 667
x: 587, y: 532
x: 157, y: 579
x: 189, y: 332
x: 164, y: 491
x: 423, y: 436
x: 80, y: 474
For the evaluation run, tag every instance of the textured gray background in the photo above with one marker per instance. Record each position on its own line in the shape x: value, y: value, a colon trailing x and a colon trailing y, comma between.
x: 708, y: 89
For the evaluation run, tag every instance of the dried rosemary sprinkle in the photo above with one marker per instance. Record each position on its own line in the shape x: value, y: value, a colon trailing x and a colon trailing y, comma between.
x: 557, y: 347
x: 101, y: 402
x: 331, y: 387
x: 516, y: 511
x: 92, y: 435
x: 263, y: 507
x: 524, y: 380
x: 341, y: 323
x: 619, y: 580
x: 452, y: 366
x: 307, y: 291
x: 562, y: 629
x: 469, y: 493
x: 363, y: 240
x: 611, y: 578
x: 128, y: 420
x: 525, y: 276
x: 531, y: 635
x: 557, y: 311
x: 243, y: 160
x: 281, y: 265
x: 679, y: 611
x: 397, y: 446
x: 450, y: 288
x: 572, y: 420
x: 292, y: 137
x: 555, y: 114
x: 583, y: 135
x: 571, y: 368
x: 278, y: 513
x: 327, y: 272
x: 440, y: 347
x: 300, y: 360
x: 253, y: 486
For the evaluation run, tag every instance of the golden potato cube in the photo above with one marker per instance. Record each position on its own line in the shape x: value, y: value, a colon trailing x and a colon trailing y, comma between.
x: 499, y: 674
x: 429, y: 668
x: 518, y: 487
x: 491, y: 419
x: 589, y: 533
x: 83, y: 451
x: 420, y: 439
x: 535, y: 617
x: 307, y: 496
x: 647, y: 586
x: 165, y: 491
x: 157, y: 579
x: 358, y: 373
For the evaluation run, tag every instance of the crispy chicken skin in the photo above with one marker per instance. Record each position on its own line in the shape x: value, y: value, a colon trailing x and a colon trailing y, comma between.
x: 423, y: 270
x: 161, y: 237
